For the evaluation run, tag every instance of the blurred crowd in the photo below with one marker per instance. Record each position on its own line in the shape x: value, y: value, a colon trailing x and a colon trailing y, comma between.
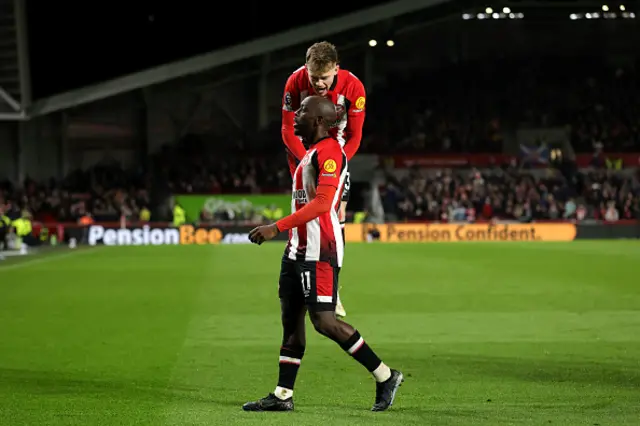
x: 104, y: 193
x: 109, y: 192
x: 510, y: 193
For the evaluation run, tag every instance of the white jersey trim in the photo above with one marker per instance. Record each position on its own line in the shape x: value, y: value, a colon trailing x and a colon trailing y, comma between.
x: 335, y: 220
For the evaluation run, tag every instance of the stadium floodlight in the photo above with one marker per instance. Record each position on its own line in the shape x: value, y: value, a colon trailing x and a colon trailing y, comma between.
x: 622, y: 8
x: 489, y: 11
x: 373, y: 43
x: 595, y: 15
x: 512, y: 16
x: 390, y: 43
x: 588, y: 16
x: 506, y: 10
x: 467, y: 16
x: 481, y: 16
x: 496, y: 16
x: 632, y: 15
x: 573, y: 16
x: 605, y: 8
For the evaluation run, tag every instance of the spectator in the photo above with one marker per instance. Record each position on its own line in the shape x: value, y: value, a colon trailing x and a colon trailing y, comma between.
x: 611, y: 214
x: 569, y: 209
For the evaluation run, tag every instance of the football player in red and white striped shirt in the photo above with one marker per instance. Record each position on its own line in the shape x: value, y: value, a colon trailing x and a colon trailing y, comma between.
x: 309, y: 270
x: 322, y: 76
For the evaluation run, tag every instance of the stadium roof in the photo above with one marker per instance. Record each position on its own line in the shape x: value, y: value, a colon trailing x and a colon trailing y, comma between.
x: 225, y: 56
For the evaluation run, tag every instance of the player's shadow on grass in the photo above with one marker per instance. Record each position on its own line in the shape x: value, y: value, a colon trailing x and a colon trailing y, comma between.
x: 57, y: 383
x: 542, y: 370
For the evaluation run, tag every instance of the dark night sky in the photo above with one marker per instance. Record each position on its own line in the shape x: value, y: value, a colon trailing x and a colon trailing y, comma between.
x: 98, y: 40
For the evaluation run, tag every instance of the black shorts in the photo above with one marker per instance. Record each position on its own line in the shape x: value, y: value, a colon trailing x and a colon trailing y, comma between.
x: 314, y: 283
x: 347, y: 188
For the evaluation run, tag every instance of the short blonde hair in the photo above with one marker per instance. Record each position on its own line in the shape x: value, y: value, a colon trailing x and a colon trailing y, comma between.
x: 321, y: 56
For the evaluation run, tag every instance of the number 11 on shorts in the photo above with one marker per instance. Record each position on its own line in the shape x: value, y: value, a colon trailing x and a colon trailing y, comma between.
x: 306, y: 282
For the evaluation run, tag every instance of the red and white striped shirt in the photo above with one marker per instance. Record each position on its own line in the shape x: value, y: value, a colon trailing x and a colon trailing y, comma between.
x: 320, y: 239
x: 348, y: 95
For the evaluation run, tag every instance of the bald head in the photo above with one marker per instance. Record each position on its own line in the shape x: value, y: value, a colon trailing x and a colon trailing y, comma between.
x: 314, y: 118
x: 321, y: 107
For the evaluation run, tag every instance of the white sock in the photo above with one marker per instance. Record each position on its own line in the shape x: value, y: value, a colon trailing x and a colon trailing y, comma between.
x: 382, y: 373
x: 283, y: 393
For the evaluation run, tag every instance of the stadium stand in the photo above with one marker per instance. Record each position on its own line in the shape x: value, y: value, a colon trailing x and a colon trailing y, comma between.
x: 507, y: 193
x: 451, y: 113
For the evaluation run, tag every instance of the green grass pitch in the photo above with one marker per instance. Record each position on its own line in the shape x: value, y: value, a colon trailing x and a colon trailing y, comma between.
x: 486, y: 334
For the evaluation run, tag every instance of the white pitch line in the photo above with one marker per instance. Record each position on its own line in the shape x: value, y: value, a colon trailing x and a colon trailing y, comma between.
x: 44, y: 259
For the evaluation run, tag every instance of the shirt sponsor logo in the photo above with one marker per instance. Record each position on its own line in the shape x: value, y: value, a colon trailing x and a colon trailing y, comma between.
x: 329, y: 166
x: 299, y: 195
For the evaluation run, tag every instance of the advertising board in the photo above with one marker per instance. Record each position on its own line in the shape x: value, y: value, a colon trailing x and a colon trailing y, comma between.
x: 159, y: 236
x: 428, y: 233
x: 389, y: 233
x: 194, y: 204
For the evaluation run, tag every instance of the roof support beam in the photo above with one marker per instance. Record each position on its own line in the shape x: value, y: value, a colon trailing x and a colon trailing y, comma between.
x: 232, y: 54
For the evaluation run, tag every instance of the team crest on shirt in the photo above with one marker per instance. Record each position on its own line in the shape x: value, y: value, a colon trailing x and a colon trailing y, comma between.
x: 305, y: 160
x: 360, y: 102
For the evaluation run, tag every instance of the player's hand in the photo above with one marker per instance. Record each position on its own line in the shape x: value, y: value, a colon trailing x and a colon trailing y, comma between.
x: 263, y: 233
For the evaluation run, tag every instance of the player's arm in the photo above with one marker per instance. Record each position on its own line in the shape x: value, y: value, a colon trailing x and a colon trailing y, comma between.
x: 290, y: 103
x: 318, y: 206
x: 329, y: 167
x: 355, y: 118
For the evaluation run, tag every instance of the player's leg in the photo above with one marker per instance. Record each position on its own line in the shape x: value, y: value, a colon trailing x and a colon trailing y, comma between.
x: 342, y: 215
x: 293, y: 311
x: 320, y: 295
x: 293, y: 344
x: 340, y: 311
x: 343, y: 219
